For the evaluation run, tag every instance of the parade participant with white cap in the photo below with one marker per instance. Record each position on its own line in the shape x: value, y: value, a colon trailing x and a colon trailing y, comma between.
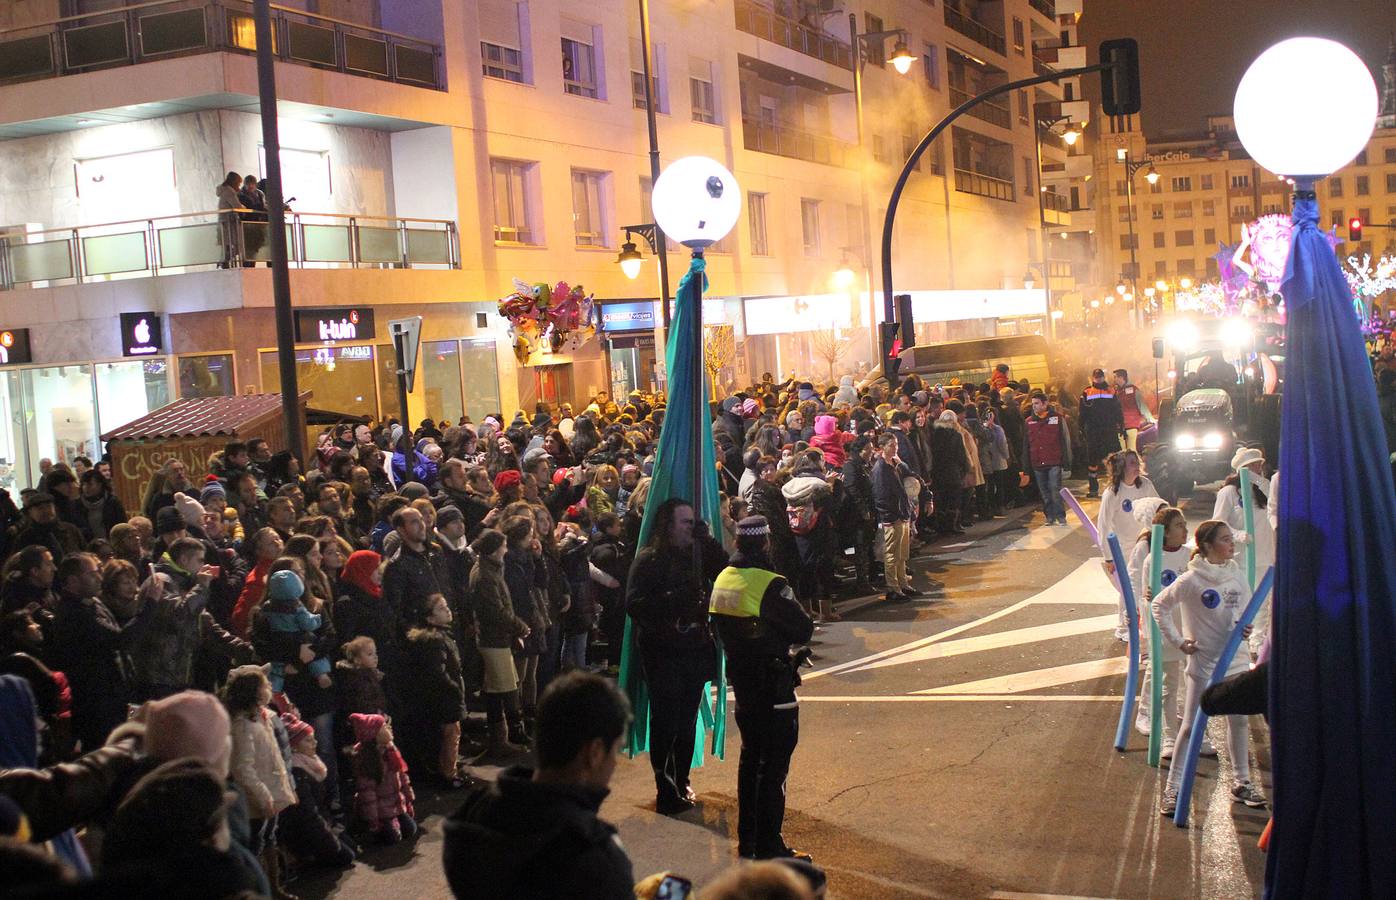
x: 1228, y: 509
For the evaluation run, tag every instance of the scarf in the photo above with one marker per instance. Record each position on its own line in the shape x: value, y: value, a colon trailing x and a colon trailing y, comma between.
x: 358, y: 570
x: 311, y: 764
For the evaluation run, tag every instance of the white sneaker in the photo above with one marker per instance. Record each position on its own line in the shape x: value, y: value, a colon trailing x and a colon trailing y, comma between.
x: 1122, y: 634
x: 1143, y: 723
x: 1166, y: 749
x: 1207, y: 750
x: 1249, y: 794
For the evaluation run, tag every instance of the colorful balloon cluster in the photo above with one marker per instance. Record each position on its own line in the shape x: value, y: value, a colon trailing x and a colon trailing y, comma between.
x: 561, y: 315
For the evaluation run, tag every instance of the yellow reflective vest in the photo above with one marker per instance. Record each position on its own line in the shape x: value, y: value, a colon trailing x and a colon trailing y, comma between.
x: 737, y: 592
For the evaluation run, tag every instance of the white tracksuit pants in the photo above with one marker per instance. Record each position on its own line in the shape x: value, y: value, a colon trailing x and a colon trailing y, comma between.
x: 1237, y: 743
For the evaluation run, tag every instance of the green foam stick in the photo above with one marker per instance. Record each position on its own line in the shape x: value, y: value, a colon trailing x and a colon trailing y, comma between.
x: 1248, y: 510
x: 1155, y: 648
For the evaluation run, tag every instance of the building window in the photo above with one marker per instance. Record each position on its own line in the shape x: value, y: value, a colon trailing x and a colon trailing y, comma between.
x: 1023, y: 107
x: 701, y: 91
x: 579, y: 73
x: 1156, y: 187
x: 873, y: 50
x: 1124, y: 214
x: 1209, y: 207
x: 1182, y: 238
x: 1390, y: 154
x: 502, y: 62
x: 1182, y: 210
x: 1206, y: 182
x: 1361, y: 158
x: 1209, y: 236
x: 909, y: 142
x: 1129, y: 242
x: 1336, y: 217
x: 1156, y: 211
x: 589, y: 208
x: 1335, y: 187
x: 1121, y: 187
x: 1213, y: 271
x: 1182, y: 183
x: 809, y: 225
x: 1187, y: 267
x: 1239, y: 182
x: 513, y: 199
x: 930, y: 65
x: 1361, y: 186
x: 1160, y: 268
x: 1019, y: 39
x: 1365, y: 214
x: 880, y: 149
x: 756, y: 218
x: 937, y: 158
x: 1241, y: 211
x: 1160, y: 240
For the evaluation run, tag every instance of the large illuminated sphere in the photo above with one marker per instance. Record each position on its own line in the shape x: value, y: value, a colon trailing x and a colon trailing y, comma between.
x: 1306, y: 106
x: 696, y: 201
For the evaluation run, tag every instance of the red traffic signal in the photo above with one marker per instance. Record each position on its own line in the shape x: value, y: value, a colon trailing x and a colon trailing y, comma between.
x: 1354, y: 229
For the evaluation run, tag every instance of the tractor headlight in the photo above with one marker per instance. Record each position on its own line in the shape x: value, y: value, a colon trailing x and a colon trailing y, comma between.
x: 1186, y: 442
x: 1213, y: 440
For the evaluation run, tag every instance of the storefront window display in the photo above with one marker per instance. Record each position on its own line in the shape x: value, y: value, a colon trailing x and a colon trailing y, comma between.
x: 481, y: 368
x: 440, y: 374
x: 206, y: 376
x: 340, y: 379
x: 50, y: 414
x: 128, y: 390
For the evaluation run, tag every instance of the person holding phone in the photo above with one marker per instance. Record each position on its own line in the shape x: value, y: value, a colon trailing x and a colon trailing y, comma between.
x: 163, y: 634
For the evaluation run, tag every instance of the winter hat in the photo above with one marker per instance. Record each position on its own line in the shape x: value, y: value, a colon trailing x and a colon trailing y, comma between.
x: 296, y: 728
x: 212, y: 488
x: 448, y: 514
x: 751, y: 526
x: 179, y: 803
x: 358, y: 570
x: 366, y: 726
x: 507, y: 478
x: 1146, y: 508
x: 190, y: 510
x: 190, y: 723
x: 285, y: 585
x: 920, y: 398
x: 414, y: 490
x: 532, y: 456
x: 1244, y: 457
x: 168, y: 519
x: 750, y: 408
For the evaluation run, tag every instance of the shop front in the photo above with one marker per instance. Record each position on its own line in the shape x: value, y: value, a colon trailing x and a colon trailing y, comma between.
x: 631, y: 357
x: 809, y: 336
x: 966, y: 315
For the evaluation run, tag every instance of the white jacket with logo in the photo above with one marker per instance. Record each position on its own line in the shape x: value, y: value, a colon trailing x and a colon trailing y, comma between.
x: 1211, y: 598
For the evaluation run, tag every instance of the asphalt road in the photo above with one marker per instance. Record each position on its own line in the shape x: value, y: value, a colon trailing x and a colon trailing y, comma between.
x: 957, y: 746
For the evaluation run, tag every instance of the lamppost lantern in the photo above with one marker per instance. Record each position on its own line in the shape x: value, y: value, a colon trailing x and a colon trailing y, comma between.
x: 843, y: 277
x: 1028, y: 280
x: 1151, y: 176
x: 696, y: 201
x: 1185, y: 283
x: 902, y: 58
x: 1121, y: 288
x: 1306, y: 107
x: 629, y: 259
x: 1071, y: 136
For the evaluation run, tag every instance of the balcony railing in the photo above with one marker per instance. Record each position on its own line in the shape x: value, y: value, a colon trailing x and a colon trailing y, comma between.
x: 967, y: 182
x: 223, y: 239
x: 975, y: 30
x: 792, y: 142
x: 1047, y: 7
x: 143, y: 32
x: 1054, y: 201
x: 767, y: 24
x: 988, y: 111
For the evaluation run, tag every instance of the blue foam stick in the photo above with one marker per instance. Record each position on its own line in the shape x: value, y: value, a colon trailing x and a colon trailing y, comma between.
x: 1199, y: 719
x: 1155, y: 576
x: 1132, y: 617
x: 1248, y: 515
x: 1070, y: 499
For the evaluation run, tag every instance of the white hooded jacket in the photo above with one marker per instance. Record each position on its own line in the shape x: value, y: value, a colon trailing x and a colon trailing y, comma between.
x: 1211, y: 598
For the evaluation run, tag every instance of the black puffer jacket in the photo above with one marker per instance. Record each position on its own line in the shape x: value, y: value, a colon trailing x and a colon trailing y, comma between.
x: 519, y: 838
x: 432, y: 675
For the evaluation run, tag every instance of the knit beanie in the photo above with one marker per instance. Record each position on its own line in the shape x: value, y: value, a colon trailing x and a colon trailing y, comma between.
x: 212, y: 488
x: 296, y: 728
x: 190, y: 510
x: 190, y: 723
x: 1145, y: 508
x: 168, y: 519
x: 366, y: 726
x: 285, y: 585
x: 507, y: 478
x: 414, y: 490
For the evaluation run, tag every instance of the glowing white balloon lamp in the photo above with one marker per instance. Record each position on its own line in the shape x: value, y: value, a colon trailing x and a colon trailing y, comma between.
x: 1306, y: 107
x: 696, y: 201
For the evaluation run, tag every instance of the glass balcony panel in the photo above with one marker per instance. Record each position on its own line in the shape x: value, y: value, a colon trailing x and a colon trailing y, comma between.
x: 173, y: 32
x: 326, y: 243
x: 415, y: 66
x: 428, y: 247
x: 255, y: 245
x: 26, y: 57
x: 43, y: 261
x: 190, y: 245
x: 379, y: 245
x: 108, y: 254
x: 363, y: 54
x: 96, y: 45
x: 311, y: 43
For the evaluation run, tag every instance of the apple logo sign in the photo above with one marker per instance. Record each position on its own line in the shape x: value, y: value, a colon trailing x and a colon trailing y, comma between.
x: 142, y: 332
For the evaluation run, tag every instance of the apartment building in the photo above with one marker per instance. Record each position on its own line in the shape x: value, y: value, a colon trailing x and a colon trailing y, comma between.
x: 437, y: 151
x: 1208, y: 187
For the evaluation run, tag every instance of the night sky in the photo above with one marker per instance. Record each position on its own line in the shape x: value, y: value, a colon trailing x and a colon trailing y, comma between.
x: 1193, y: 52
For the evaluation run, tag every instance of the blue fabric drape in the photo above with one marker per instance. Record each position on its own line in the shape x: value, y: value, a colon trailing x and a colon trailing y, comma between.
x: 673, y: 477
x: 1332, y: 673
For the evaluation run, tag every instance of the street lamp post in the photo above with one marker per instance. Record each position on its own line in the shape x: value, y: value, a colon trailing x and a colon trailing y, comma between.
x: 657, y: 240
x: 902, y: 59
x: 1071, y: 135
x: 1131, y: 167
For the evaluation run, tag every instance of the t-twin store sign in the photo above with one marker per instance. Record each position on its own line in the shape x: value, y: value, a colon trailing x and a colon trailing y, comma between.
x: 332, y: 325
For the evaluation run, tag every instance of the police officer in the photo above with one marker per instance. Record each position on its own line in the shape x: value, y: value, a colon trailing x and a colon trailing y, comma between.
x: 759, y: 619
x: 1102, y: 424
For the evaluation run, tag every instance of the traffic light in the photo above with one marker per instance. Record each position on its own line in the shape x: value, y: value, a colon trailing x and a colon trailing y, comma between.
x: 1354, y: 229
x: 890, y: 333
x: 1119, y: 82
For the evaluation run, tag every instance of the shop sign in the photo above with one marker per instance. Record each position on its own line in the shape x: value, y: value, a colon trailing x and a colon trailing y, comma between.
x: 14, y: 346
x: 809, y: 312
x: 330, y: 325
x: 628, y: 316
x: 141, y: 334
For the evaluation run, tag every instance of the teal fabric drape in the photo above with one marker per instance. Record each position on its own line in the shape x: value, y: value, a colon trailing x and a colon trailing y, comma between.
x: 673, y: 477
